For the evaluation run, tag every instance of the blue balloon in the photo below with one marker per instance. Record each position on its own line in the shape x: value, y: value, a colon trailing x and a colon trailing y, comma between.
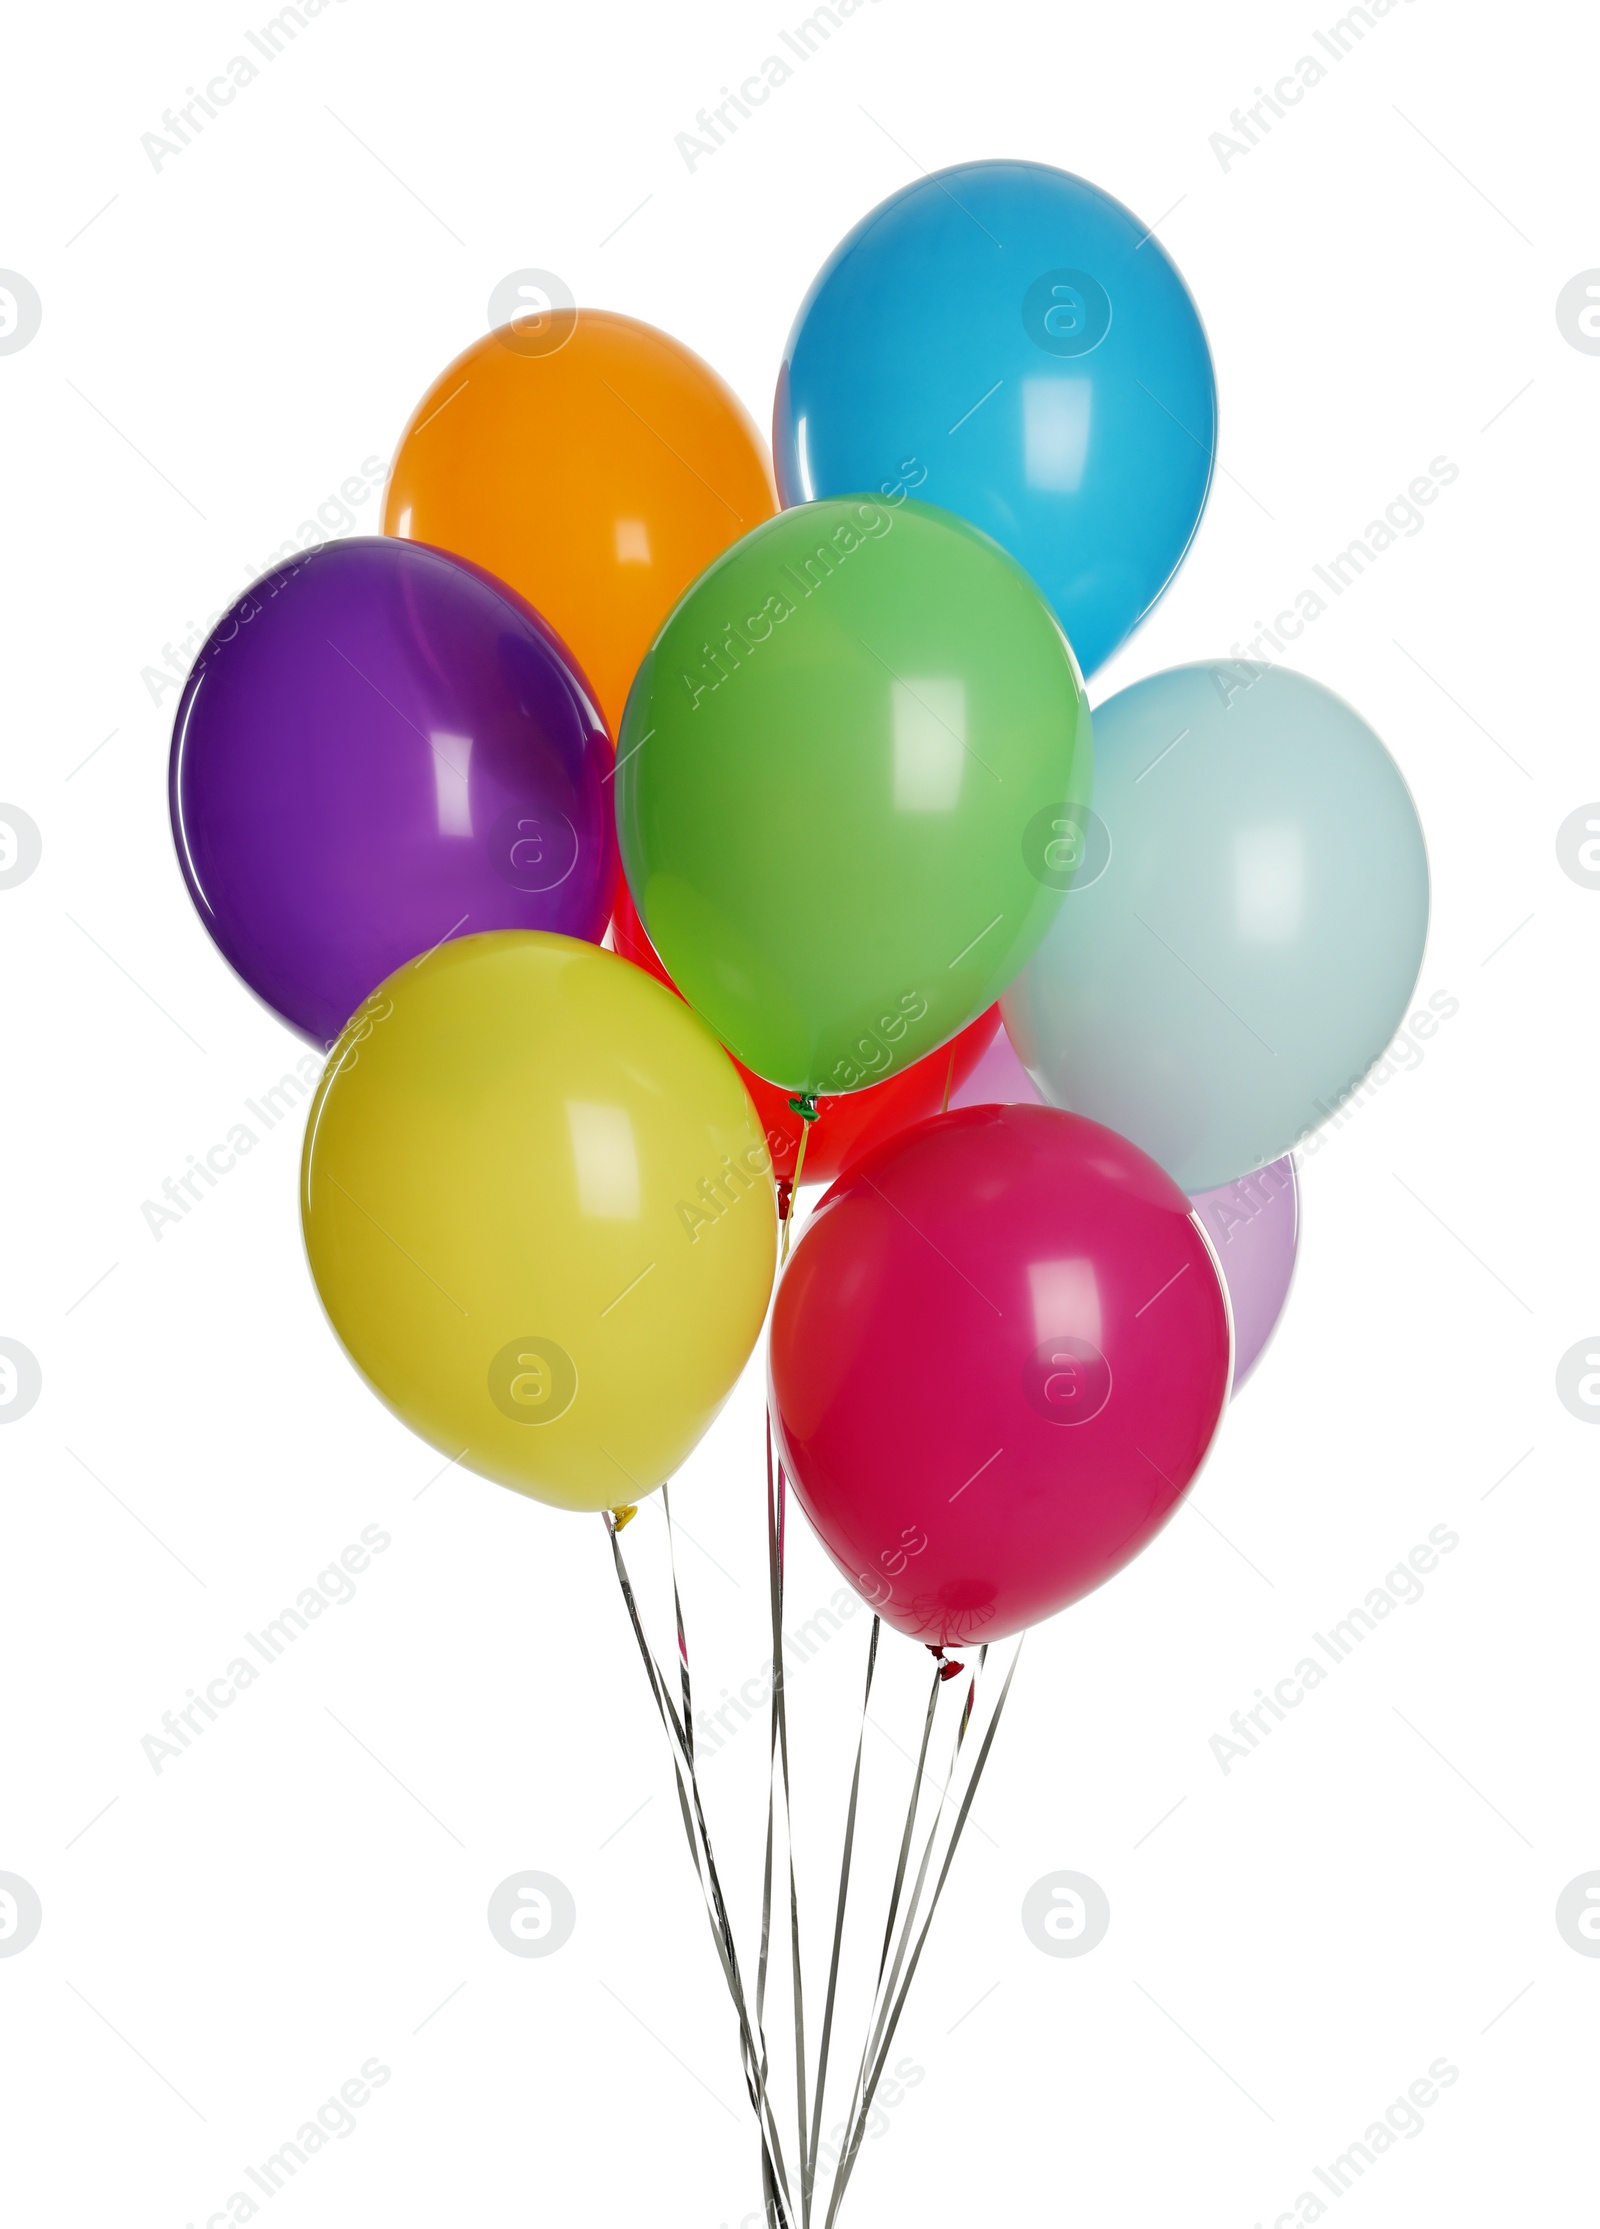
x: 1245, y: 914
x: 1007, y: 341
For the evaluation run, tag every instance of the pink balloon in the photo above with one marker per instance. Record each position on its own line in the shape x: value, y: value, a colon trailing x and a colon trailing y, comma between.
x: 1254, y: 1222
x: 998, y: 1357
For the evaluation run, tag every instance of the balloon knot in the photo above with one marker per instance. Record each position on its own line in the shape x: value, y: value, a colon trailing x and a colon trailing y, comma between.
x: 805, y: 1106
x: 785, y: 1195
x: 624, y: 1516
x: 948, y: 1667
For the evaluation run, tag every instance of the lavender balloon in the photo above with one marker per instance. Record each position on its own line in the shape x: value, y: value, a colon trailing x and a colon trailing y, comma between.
x: 999, y: 1080
x: 381, y: 747
x: 1253, y: 1223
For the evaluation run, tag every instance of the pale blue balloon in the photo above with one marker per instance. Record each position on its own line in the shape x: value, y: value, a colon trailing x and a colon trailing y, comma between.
x: 1245, y: 925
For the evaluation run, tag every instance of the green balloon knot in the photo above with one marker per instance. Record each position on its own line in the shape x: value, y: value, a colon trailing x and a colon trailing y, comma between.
x: 805, y: 1106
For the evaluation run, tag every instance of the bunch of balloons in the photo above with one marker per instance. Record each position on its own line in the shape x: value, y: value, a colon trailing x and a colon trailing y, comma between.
x: 851, y: 790
x: 841, y: 751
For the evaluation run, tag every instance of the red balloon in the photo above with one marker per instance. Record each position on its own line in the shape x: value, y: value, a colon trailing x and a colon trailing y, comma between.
x: 851, y: 1123
x: 998, y: 1358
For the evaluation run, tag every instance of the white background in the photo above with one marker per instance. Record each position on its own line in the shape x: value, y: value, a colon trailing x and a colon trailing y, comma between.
x: 1300, y: 1938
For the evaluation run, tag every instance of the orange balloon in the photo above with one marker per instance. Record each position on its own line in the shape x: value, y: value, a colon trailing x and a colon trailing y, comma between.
x: 594, y: 464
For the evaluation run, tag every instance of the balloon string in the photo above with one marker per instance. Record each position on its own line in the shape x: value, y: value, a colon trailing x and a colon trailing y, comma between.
x: 884, y: 2036
x: 949, y: 1081
x: 775, y: 1557
x: 805, y: 1106
x: 808, y: 2173
x: 680, y: 1738
x: 894, y: 1979
x: 889, y: 1996
x: 934, y: 1692
x: 778, y: 1753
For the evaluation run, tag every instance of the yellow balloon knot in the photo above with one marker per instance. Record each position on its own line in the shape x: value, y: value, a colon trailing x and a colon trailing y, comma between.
x: 624, y: 1516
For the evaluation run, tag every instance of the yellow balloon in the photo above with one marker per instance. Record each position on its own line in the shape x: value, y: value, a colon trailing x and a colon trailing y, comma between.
x: 539, y: 1210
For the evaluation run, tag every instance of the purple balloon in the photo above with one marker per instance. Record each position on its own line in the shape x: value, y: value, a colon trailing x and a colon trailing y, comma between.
x: 999, y: 1080
x: 381, y: 747
x: 1253, y: 1223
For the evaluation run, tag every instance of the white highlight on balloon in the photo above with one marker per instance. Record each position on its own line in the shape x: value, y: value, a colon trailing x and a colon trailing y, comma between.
x: 1066, y: 1300
x: 930, y: 742
x: 606, y: 1157
x: 452, y: 769
x: 1055, y: 432
x: 1269, y: 883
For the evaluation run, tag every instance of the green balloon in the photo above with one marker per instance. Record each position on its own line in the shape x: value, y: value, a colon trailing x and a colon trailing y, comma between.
x: 852, y: 778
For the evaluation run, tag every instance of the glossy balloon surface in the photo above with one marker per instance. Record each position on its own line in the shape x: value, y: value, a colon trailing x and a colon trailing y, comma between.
x: 838, y: 781
x: 847, y: 1126
x: 1008, y: 341
x: 1254, y: 937
x: 1254, y: 1222
x: 1255, y: 1227
x: 593, y: 462
x: 999, y: 1080
x: 380, y: 748
x: 538, y: 1210
x: 999, y: 1354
